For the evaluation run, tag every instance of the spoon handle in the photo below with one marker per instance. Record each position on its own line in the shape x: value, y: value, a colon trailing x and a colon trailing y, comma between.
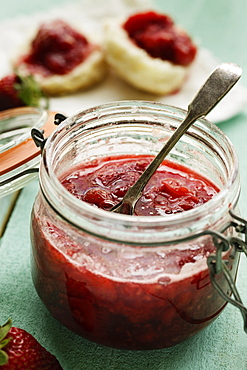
x: 221, y: 80
x: 218, y: 84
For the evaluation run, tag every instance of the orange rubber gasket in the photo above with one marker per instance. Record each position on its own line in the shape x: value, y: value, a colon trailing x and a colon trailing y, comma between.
x: 25, y: 151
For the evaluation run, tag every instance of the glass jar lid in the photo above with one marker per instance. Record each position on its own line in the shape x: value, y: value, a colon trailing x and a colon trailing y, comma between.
x: 18, y: 152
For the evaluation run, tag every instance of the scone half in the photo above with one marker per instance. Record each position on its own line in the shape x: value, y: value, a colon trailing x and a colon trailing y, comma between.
x: 134, y: 65
x: 87, y: 73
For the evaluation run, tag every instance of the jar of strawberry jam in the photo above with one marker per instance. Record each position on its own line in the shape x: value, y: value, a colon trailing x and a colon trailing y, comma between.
x: 148, y: 280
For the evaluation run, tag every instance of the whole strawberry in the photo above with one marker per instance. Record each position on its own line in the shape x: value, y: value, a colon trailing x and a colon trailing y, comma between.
x: 17, y: 91
x: 20, y: 350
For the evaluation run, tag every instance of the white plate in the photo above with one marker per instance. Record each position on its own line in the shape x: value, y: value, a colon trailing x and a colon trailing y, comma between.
x: 113, y: 89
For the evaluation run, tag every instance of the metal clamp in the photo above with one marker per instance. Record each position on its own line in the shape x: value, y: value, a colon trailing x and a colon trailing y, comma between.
x: 38, y: 135
x: 217, y: 265
x: 59, y: 117
x: 39, y: 140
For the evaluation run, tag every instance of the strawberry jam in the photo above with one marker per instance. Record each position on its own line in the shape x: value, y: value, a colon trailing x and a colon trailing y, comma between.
x: 121, y: 295
x: 56, y: 49
x: 158, y: 35
x: 170, y: 190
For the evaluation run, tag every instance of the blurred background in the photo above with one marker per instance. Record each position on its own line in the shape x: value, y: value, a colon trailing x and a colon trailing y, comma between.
x: 218, y: 25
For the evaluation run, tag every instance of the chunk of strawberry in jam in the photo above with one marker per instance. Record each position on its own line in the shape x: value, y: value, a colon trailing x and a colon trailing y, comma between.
x: 99, y: 197
x: 57, y: 49
x: 158, y: 35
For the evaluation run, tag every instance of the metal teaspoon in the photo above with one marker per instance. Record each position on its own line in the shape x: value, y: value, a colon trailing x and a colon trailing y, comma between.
x: 221, y: 80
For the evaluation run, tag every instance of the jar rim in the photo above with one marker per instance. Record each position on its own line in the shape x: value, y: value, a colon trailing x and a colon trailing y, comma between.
x: 220, y: 200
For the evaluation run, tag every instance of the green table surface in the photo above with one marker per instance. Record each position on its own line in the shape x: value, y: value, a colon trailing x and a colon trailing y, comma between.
x: 220, y: 26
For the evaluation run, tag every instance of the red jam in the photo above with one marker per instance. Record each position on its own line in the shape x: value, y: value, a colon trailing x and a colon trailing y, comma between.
x: 158, y: 35
x: 171, y: 189
x: 56, y: 49
x: 154, y: 299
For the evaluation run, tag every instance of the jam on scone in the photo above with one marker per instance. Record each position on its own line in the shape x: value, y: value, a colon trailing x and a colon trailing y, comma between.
x: 149, y: 51
x: 62, y: 59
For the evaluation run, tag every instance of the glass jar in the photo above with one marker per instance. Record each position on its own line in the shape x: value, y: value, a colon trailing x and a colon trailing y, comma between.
x: 134, y: 282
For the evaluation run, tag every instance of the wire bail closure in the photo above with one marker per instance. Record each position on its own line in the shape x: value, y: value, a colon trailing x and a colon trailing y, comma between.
x: 217, y: 265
